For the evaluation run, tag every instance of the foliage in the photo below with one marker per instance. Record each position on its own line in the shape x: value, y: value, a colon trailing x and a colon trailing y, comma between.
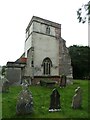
x: 41, y: 98
x: 0, y: 70
x: 84, y: 9
x: 3, y: 70
x: 80, y: 59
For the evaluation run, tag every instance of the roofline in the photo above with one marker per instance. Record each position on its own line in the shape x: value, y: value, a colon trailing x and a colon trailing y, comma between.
x: 43, y: 21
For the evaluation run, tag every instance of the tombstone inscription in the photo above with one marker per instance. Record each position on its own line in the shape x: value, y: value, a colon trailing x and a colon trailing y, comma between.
x: 55, y: 101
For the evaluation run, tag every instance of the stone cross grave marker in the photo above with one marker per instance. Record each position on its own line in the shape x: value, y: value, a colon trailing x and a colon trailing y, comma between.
x: 55, y: 101
x: 63, y: 81
x: 77, y: 98
x: 25, y: 101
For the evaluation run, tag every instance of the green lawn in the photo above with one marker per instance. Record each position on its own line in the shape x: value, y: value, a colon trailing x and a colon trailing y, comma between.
x: 0, y: 105
x: 41, y: 99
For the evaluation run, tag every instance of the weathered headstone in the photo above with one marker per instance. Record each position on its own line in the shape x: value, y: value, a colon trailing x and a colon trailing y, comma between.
x: 77, y: 98
x: 55, y: 101
x: 63, y: 81
x: 25, y: 101
x: 5, y: 85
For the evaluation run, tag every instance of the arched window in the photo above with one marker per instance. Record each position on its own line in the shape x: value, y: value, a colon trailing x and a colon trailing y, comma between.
x: 47, y: 66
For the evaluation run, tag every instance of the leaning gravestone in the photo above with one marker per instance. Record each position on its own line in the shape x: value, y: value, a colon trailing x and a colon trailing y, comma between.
x: 63, y: 81
x: 55, y: 101
x: 25, y: 101
x: 77, y: 98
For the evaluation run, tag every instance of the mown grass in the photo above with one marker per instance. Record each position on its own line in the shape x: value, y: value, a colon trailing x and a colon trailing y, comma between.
x: 41, y: 99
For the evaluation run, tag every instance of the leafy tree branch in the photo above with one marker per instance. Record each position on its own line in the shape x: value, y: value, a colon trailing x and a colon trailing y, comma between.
x: 83, y: 13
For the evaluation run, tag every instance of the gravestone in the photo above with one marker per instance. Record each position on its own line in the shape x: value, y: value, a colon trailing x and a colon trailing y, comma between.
x: 25, y: 101
x: 47, y: 83
x: 63, y: 81
x: 69, y: 82
x: 77, y: 98
x: 26, y: 78
x: 5, y: 85
x: 55, y: 101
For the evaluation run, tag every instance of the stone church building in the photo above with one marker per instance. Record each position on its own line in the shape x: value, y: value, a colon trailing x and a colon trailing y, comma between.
x: 45, y: 52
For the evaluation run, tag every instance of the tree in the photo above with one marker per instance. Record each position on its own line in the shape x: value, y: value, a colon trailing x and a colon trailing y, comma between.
x: 3, y: 70
x: 80, y: 13
x: 80, y: 60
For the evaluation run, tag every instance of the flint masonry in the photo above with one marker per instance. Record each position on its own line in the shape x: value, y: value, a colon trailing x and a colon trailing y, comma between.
x: 45, y: 51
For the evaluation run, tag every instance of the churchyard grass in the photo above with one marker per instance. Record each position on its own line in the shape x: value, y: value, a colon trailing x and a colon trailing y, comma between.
x: 0, y: 105
x: 41, y: 99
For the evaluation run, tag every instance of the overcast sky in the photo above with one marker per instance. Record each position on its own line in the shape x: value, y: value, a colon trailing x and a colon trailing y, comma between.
x: 16, y: 14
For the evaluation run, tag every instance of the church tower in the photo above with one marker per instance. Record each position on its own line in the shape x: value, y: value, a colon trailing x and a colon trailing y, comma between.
x: 45, y: 50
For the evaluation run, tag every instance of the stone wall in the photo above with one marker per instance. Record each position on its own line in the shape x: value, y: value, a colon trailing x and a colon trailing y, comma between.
x: 65, y: 60
x: 28, y: 67
x: 14, y: 72
x: 45, y: 46
x: 13, y: 75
